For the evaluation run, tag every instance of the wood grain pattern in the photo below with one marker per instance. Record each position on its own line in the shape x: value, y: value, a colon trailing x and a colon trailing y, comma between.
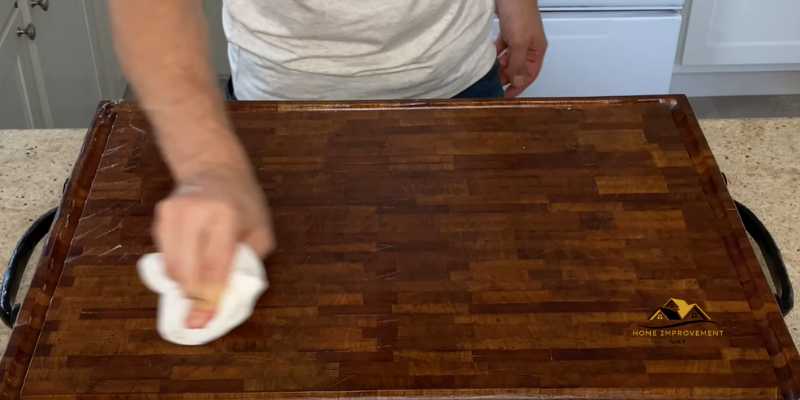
x: 426, y: 249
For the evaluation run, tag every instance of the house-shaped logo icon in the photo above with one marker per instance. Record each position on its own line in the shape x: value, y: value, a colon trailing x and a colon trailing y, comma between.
x: 674, y: 317
x: 679, y: 310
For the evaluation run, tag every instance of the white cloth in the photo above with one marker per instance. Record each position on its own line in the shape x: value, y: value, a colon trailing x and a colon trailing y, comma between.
x: 357, y: 49
x: 247, y: 282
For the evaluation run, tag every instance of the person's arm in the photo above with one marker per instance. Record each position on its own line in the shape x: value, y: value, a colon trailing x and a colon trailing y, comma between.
x: 217, y: 203
x: 522, y: 43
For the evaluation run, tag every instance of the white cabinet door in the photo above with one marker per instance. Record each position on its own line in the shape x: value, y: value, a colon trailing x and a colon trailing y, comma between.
x: 607, y: 53
x: 65, y: 58
x: 112, y: 81
x: 19, y: 103
x: 610, y: 4
x: 740, y: 32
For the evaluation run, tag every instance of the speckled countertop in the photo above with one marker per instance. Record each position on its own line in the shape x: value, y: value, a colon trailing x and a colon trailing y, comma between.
x: 759, y: 156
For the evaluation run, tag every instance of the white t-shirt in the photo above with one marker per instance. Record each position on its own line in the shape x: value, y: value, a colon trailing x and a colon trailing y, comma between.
x: 357, y: 49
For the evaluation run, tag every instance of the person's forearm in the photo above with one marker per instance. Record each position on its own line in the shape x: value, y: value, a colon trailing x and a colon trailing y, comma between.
x: 163, y: 50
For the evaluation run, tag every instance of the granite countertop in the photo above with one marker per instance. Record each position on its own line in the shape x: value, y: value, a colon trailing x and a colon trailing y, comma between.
x: 759, y: 157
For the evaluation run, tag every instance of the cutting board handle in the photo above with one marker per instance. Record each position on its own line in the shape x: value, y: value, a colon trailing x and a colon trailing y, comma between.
x: 19, y: 260
x: 772, y: 257
x: 16, y: 265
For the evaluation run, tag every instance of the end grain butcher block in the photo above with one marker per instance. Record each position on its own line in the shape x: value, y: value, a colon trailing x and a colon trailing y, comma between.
x: 526, y: 249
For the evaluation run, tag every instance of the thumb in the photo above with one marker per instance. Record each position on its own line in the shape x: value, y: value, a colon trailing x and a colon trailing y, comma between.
x: 205, y: 296
x: 200, y: 315
x: 518, y: 66
x: 210, y: 279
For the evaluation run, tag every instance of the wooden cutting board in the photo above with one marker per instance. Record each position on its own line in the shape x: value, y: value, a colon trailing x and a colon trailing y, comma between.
x: 526, y: 249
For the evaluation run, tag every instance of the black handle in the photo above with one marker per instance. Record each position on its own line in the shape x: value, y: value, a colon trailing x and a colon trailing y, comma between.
x: 772, y: 257
x: 18, y: 262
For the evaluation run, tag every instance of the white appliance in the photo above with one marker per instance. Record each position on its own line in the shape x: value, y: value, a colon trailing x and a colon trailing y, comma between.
x: 607, y: 47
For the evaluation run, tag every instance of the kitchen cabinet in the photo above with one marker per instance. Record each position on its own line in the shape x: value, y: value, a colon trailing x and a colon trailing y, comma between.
x: 742, y: 32
x: 739, y: 47
x: 605, y: 5
x: 63, y: 51
x: 607, y: 53
x: 19, y: 102
x: 56, y: 77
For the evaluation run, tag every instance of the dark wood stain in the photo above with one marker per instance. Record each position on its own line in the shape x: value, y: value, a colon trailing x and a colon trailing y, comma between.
x: 436, y: 249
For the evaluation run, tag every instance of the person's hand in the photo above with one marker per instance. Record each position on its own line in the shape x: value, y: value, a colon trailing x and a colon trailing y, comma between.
x: 521, y: 45
x: 198, y: 229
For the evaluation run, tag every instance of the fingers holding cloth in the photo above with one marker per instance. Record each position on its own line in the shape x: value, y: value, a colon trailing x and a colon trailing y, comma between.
x: 212, y: 233
x: 522, y: 44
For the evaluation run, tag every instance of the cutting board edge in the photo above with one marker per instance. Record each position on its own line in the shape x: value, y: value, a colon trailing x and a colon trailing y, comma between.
x: 783, y: 352
x: 596, y: 393
x: 671, y: 100
x: 25, y: 334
